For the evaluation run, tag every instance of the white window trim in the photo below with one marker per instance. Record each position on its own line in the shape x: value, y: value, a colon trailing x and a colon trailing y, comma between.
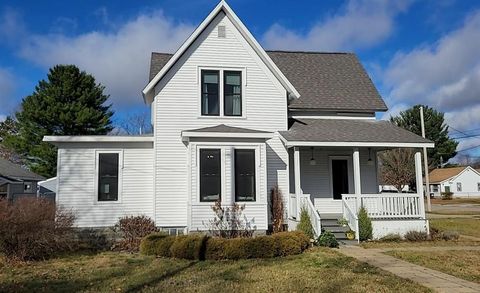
x: 349, y: 171
x: 221, y: 71
x: 258, y: 165
x: 120, y: 176
x: 222, y: 175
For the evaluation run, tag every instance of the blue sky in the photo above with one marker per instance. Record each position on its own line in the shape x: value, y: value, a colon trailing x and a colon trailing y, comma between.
x: 415, y: 51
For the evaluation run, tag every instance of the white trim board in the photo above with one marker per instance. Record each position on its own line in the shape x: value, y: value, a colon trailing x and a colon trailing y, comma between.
x: 98, y: 138
x: 148, y: 91
x: 290, y: 144
x: 188, y: 134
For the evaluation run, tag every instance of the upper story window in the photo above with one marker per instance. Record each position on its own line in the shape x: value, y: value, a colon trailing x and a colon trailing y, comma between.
x: 221, y: 93
x: 108, y: 170
x: 232, y: 93
x: 210, y: 92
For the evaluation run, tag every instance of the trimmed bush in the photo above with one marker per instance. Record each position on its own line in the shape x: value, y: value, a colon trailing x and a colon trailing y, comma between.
x: 157, y: 244
x: 305, y: 224
x: 416, y: 236
x: 327, y: 239
x: 216, y: 248
x: 34, y: 228
x: 392, y: 237
x: 447, y: 195
x: 133, y: 229
x: 364, y: 225
x: 189, y: 247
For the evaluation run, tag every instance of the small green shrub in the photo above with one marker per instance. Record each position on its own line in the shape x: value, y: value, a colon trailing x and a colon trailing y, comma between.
x: 447, y: 195
x: 392, y: 237
x: 342, y: 222
x: 416, y: 235
x: 364, y: 225
x: 305, y: 224
x: 327, y: 239
x: 157, y: 244
x: 189, y: 247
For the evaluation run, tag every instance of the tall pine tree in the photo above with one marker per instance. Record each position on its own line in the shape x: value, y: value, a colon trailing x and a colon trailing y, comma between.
x: 435, y: 129
x: 69, y: 102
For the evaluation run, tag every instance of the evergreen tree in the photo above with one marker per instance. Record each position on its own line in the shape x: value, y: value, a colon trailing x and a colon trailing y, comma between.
x: 69, y: 102
x: 435, y: 130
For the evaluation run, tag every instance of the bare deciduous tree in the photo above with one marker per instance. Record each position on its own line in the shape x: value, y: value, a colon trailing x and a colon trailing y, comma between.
x: 134, y: 124
x: 397, y: 167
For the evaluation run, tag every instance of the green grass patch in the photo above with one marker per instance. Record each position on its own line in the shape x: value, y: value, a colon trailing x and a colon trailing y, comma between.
x: 317, y: 270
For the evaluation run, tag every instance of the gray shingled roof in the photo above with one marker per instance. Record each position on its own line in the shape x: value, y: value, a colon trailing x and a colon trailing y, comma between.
x: 14, y: 171
x: 227, y: 129
x: 325, y: 81
x: 349, y: 130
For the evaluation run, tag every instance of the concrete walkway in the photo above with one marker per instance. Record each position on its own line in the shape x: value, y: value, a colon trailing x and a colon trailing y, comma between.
x: 435, y: 280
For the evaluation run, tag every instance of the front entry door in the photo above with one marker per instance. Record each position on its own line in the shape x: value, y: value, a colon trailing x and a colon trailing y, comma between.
x: 339, y: 178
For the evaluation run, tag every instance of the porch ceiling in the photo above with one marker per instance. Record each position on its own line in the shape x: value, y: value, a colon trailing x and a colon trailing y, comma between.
x: 351, y: 132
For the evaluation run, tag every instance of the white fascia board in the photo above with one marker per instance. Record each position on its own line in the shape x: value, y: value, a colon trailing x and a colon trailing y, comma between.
x: 333, y: 117
x: 97, y: 138
x: 148, y: 91
x: 360, y: 144
x: 188, y: 134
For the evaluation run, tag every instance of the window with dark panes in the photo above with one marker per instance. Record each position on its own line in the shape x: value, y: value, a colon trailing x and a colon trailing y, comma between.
x: 210, y: 175
x: 108, y: 176
x: 232, y: 92
x: 245, y: 175
x: 210, y: 91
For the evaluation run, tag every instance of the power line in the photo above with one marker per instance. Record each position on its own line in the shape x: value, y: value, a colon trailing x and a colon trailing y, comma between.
x: 470, y: 148
x: 466, y: 136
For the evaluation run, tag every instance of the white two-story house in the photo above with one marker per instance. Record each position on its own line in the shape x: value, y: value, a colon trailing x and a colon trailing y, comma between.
x: 231, y: 121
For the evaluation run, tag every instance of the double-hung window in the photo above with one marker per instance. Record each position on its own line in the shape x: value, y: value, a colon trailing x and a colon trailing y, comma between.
x: 108, y: 175
x: 245, y: 187
x: 459, y: 186
x: 210, y: 175
x: 221, y: 93
x: 210, y: 92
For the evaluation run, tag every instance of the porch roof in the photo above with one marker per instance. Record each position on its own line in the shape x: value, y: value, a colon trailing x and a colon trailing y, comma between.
x: 351, y: 132
x: 223, y: 130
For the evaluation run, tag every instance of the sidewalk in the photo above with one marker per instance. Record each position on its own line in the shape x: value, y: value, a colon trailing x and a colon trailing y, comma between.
x: 435, y: 280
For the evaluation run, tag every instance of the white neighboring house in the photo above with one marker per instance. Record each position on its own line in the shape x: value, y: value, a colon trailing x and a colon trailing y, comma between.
x: 231, y: 121
x: 462, y: 181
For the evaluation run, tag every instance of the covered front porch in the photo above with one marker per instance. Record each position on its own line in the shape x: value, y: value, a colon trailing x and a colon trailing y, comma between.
x: 334, y: 172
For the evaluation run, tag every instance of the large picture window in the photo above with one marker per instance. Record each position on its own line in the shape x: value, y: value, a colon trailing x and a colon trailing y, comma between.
x: 210, y: 175
x: 232, y: 93
x: 108, y: 176
x: 210, y: 91
x: 245, y: 175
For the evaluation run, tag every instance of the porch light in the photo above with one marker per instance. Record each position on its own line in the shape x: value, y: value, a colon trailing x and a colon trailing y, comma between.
x: 369, y: 161
x: 312, y: 159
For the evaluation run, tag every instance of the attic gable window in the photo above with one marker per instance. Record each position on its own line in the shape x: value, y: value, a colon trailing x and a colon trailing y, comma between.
x: 210, y: 93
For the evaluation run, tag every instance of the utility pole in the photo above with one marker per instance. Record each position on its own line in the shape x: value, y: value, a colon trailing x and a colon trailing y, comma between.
x: 425, y: 163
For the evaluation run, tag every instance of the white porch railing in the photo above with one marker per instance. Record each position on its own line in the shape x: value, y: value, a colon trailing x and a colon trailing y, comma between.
x: 350, y: 213
x: 306, y: 203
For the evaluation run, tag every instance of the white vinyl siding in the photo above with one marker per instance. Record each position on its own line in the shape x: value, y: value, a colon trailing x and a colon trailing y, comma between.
x: 468, y: 182
x: 177, y: 105
x: 77, y: 186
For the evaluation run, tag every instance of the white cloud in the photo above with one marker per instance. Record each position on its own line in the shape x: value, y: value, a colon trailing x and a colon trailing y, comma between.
x: 361, y: 24
x: 119, y: 59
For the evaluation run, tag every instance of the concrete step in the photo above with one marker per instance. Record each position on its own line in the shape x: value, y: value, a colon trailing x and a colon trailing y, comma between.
x: 326, y: 223
x: 336, y: 229
x: 324, y: 216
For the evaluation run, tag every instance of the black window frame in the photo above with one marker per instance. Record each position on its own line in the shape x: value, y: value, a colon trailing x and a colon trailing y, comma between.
x: 101, y: 197
x: 225, y: 72
x: 202, y: 175
x: 237, y: 177
x: 202, y: 93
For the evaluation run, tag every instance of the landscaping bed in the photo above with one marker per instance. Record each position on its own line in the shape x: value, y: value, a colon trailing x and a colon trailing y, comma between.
x: 318, y: 270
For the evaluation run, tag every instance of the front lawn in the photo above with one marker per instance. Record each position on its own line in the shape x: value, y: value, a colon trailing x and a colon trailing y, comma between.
x: 461, y: 264
x: 319, y: 270
x: 464, y: 226
x: 455, y: 201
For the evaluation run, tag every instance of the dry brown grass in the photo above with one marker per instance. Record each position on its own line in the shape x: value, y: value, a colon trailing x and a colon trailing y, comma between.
x: 319, y: 270
x: 455, y: 201
x: 461, y: 264
x: 464, y: 226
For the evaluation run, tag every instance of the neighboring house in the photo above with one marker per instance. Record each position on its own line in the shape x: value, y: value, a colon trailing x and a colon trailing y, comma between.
x: 231, y: 121
x: 383, y: 187
x: 462, y: 181
x: 48, y: 188
x: 16, y: 181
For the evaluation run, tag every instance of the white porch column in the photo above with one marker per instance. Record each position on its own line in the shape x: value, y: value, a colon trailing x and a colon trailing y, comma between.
x: 419, y: 181
x: 298, y: 188
x: 356, y: 176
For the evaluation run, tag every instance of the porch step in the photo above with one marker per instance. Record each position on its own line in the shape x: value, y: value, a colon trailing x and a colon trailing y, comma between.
x: 330, y: 223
